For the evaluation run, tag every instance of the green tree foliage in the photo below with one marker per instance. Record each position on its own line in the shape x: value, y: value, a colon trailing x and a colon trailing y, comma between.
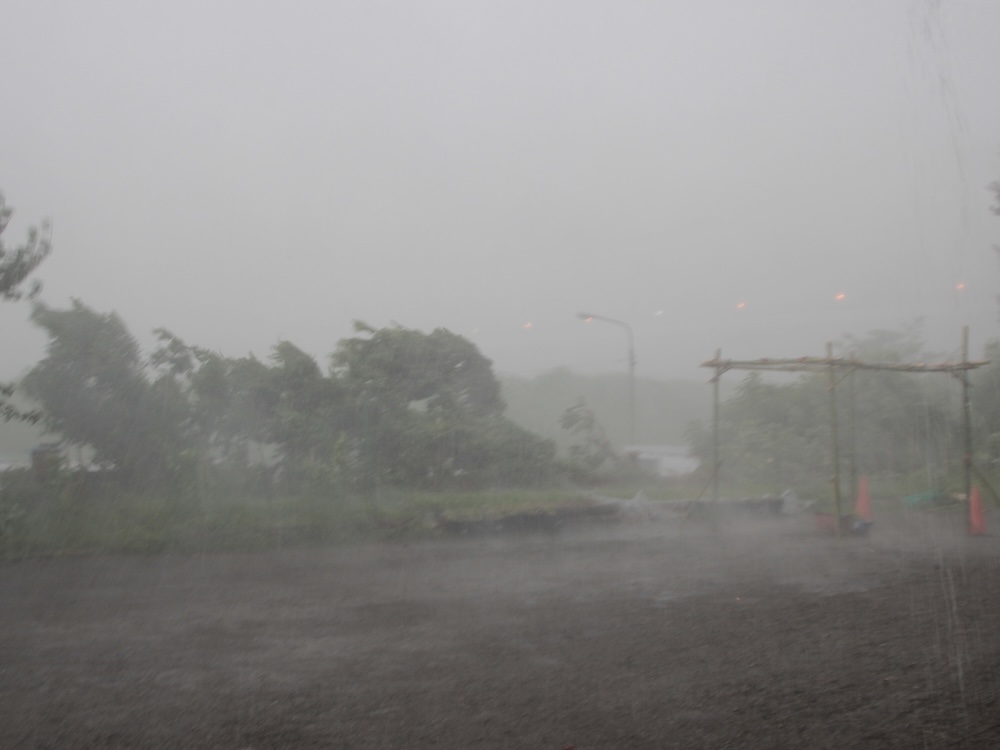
x: 223, y: 405
x: 770, y: 433
x: 398, y: 407
x: 902, y: 422
x: 10, y: 412
x: 428, y: 412
x: 400, y: 366
x: 306, y: 416
x: 94, y: 388
x: 16, y: 265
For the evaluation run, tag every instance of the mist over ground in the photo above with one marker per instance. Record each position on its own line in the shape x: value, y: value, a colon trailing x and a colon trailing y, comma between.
x: 715, y: 175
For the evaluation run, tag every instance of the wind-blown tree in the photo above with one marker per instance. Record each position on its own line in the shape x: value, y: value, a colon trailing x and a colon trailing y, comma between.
x: 307, y: 419
x: 400, y: 366
x: 398, y: 407
x: 231, y: 402
x: 94, y: 389
x: 209, y: 393
x: 16, y: 265
x: 250, y: 397
x: 427, y: 411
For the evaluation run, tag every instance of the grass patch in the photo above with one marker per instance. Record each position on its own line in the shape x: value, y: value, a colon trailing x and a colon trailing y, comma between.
x: 57, y: 518
x: 60, y: 518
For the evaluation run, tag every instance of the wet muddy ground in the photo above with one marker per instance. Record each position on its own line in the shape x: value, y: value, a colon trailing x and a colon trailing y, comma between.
x: 640, y: 635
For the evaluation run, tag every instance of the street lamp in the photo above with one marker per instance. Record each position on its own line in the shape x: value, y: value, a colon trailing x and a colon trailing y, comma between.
x: 631, y: 365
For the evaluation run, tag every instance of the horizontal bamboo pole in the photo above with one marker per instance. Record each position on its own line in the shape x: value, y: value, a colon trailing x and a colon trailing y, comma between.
x: 813, y: 364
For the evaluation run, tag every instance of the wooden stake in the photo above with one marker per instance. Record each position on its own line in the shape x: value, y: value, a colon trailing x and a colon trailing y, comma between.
x: 715, y: 427
x: 966, y: 421
x: 833, y: 433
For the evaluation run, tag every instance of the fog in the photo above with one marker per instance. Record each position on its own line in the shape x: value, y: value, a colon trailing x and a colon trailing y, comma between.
x: 759, y: 177
x: 714, y: 174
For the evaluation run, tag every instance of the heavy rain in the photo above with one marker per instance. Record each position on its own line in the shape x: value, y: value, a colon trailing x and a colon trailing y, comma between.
x: 571, y: 375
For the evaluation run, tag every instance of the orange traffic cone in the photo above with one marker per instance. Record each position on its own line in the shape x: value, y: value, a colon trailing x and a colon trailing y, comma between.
x: 977, y: 523
x: 863, y: 506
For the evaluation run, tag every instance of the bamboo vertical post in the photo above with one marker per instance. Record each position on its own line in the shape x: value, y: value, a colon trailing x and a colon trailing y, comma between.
x: 831, y: 374
x: 715, y: 427
x: 853, y: 431
x: 966, y: 419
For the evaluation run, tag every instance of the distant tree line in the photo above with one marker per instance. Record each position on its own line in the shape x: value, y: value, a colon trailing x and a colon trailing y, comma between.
x: 665, y: 407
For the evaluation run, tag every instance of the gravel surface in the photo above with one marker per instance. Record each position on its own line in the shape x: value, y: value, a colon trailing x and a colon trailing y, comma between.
x: 655, y: 634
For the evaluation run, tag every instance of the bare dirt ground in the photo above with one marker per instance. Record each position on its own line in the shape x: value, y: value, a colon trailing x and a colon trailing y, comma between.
x: 647, y: 635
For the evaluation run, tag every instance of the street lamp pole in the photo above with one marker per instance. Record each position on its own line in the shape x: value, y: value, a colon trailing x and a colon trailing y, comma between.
x: 631, y: 365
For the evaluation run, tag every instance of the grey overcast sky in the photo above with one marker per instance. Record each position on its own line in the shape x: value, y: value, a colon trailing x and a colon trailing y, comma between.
x: 714, y: 173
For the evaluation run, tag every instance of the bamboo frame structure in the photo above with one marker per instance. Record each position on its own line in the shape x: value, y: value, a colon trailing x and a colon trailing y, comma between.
x: 831, y: 365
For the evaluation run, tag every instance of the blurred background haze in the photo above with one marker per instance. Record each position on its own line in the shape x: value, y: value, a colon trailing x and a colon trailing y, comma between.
x: 715, y: 174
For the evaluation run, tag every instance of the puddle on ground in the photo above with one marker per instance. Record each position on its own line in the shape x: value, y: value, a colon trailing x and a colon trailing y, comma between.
x: 829, y: 587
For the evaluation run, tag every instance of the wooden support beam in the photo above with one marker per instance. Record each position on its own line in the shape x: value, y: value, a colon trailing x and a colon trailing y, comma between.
x: 819, y: 364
